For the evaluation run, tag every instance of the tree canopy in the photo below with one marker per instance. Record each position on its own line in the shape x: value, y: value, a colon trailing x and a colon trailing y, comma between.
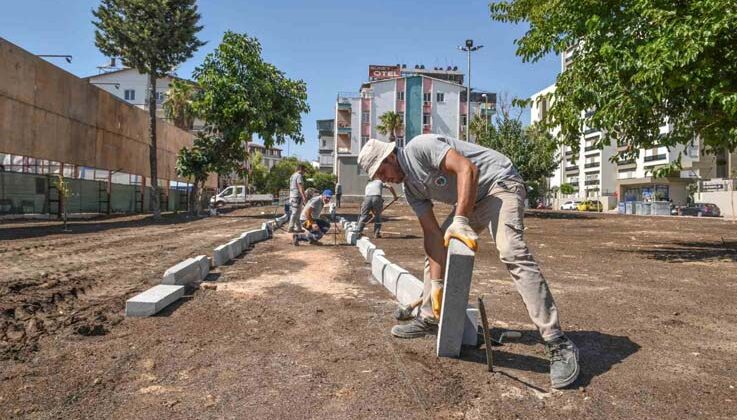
x: 389, y: 123
x: 636, y: 64
x: 242, y: 95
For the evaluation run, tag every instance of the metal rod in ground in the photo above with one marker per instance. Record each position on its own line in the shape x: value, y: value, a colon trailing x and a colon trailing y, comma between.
x: 487, y: 336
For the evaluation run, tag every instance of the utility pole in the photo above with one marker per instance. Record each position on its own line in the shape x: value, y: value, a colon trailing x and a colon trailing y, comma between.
x: 469, y: 48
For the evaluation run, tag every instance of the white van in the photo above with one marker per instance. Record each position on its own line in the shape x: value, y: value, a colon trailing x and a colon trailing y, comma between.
x: 236, y: 194
x: 570, y: 205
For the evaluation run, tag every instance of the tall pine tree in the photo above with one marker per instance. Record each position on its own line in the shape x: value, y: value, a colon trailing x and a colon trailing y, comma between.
x: 152, y: 36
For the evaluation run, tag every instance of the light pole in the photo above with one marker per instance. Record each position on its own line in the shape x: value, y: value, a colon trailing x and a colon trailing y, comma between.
x: 469, y: 48
x: 486, y: 111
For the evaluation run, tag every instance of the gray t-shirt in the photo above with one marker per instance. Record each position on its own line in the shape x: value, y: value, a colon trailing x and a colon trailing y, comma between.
x: 295, y: 179
x: 374, y: 187
x: 424, y: 181
x: 314, y: 205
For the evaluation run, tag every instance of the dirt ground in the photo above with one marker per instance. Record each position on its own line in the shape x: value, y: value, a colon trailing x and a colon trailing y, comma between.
x: 303, y: 333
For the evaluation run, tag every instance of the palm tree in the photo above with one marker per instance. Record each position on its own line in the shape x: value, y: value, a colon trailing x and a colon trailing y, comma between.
x: 178, y: 104
x: 390, y: 123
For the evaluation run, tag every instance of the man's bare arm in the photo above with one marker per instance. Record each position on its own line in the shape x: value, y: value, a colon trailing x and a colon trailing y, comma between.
x: 467, y: 178
x: 433, y: 242
x: 391, y: 189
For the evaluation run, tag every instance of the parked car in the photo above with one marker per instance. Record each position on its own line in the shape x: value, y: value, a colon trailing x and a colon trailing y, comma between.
x: 590, y: 205
x: 570, y: 205
x: 700, y: 209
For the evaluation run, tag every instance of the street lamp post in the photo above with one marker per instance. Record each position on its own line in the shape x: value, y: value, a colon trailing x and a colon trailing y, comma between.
x: 486, y: 111
x: 469, y: 48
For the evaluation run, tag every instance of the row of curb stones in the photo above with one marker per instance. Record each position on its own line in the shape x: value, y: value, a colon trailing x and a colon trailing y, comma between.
x: 193, y: 270
x: 405, y: 287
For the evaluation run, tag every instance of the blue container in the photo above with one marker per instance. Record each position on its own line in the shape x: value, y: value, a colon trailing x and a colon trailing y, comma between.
x: 621, y: 208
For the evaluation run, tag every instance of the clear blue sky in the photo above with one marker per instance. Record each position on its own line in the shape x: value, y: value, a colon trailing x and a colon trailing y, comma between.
x: 327, y: 43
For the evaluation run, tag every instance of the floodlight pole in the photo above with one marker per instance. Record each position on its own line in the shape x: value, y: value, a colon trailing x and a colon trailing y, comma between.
x: 469, y: 48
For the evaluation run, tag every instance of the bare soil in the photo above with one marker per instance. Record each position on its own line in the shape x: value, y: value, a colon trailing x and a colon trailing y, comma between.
x: 303, y: 333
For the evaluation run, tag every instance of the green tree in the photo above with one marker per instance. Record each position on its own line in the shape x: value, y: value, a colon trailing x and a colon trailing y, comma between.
x: 637, y: 64
x: 259, y: 173
x: 567, y: 189
x: 322, y: 181
x: 152, y: 36
x: 280, y: 173
x: 178, y: 104
x: 242, y: 95
x: 389, y: 123
x: 532, y: 150
x: 209, y: 154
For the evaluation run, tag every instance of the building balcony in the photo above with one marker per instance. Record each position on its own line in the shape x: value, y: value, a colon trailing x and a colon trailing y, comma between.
x: 591, y: 182
x: 590, y: 148
x: 344, y: 150
x: 571, y: 168
x: 655, y: 157
x: 590, y: 131
x: 569, y: 152
x: 325, y: 125
x: 344, y: 106
x: 627, y: 162
x: 344, y: 130
x: 592, y: 165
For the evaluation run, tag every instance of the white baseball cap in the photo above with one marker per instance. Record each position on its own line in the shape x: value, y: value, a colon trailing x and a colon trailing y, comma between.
x: 373, y: 154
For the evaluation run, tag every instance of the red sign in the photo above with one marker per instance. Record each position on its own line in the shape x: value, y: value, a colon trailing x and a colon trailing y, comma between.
x: 383, y: 72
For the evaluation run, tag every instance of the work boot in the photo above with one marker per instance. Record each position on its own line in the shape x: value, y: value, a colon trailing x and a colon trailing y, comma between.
x: 563, y: 361
x: 295, y: 240
x: 415, y: 329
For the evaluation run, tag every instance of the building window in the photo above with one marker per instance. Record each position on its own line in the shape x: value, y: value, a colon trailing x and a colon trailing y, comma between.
x: 400, y: 95
x: 365, y: 117
x: 399, y: 141
x: 130, y: 95
x: 463, y: 121
x: 440, y: 97
x: 401, y: 116
x: 426, y: 119
x: 427, y: 97
x: 364, y: 140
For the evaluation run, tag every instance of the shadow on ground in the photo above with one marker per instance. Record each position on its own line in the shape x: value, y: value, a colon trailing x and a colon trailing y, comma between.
x: 682, y: 251
x: 548, y: 214
x: 92, y: 226
x: 598, y: 353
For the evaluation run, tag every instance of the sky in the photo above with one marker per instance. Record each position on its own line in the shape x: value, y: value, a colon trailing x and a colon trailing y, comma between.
x: 327, y: 43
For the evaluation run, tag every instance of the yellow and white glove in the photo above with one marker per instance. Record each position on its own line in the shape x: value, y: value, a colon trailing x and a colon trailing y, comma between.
x: 436, y: 297
x: 308, y: 225
x: 461, y: 229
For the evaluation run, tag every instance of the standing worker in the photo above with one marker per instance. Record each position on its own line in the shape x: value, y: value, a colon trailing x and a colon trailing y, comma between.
x: 488, y: 192
x: 373, y: 202
x: 338, y: 193
x: 296, y: 198
x: 311, y: 221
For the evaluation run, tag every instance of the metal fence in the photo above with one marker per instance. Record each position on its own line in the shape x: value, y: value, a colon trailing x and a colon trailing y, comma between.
x: 22, y: 193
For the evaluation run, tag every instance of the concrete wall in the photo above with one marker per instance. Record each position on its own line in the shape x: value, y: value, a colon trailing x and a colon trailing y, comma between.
x: 47, y: 113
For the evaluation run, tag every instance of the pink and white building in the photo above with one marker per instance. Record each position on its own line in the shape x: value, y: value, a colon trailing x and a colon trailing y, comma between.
x: 429, y: 101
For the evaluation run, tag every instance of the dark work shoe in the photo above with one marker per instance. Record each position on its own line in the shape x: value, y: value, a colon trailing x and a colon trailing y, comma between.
x: 295, y: 240
x: 415, y: 329
x: 563, y: 361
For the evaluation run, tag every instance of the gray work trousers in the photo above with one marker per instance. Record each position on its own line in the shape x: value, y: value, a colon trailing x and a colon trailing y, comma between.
x: 295, y: 207
x: 371, y: 204
x: 502, y: 211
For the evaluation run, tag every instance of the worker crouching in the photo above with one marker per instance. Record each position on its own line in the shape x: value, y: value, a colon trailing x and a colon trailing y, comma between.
x: 315, y: 227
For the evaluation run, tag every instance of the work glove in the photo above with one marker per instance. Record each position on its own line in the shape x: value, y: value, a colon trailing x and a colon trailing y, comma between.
x: 436, y: 297
x: 460, y: 229
x: 308, y: 225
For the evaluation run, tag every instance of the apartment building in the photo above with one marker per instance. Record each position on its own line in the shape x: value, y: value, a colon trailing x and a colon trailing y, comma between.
x: 132, y: 86
x: 271, y: 156
x: 326, y: 145
x: 597, y: 173
x: 427, y: 100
